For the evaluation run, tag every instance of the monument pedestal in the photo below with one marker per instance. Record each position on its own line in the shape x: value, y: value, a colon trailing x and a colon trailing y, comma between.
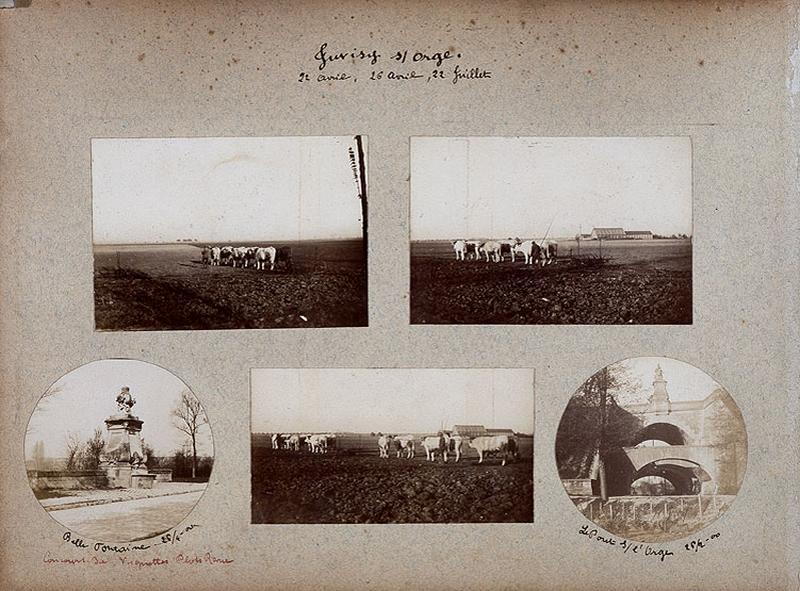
x: 142, y: 480
x: 123, y: 456
x: 119, y: 476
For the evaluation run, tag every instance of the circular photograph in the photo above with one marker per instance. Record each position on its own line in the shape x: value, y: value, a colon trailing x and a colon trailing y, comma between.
x: 651, y: 449
x: 118, y: 450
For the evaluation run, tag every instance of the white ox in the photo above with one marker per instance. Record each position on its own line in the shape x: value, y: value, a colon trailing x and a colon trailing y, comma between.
x: 503, y: 444
x: 226, y: 255
x: 214, y: 256
x: 318, y: 444
x: 455, y: 444
x: 508, y: 246
x: 471, y: 248
x: 383, y: 445
x: 239, y: 256
x: 404, y: 446
x: 265, y: 256
x: 296, y: 442
x: 491, y: 249
x: 440, y: 444
x: 529, y: 249
x: 461, y: 249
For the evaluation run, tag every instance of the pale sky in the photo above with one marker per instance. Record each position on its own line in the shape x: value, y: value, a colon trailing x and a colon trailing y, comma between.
x: 684, y: 381
x: 390, y: 400
x: 509, y: 187
x: 223, y: 189
x: 85, y: 397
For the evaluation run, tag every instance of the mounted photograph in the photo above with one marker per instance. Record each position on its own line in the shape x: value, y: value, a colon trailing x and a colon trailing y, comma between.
x: 552, y: 230
x: 391, y: 445
x: 651, y: 449
x: 118, y: 450
x: 227, y: 233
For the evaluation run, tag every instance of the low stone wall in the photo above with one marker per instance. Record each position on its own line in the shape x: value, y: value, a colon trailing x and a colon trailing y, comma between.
x: 162, y: 474
x: 578, y: 487
x: 67, y: 479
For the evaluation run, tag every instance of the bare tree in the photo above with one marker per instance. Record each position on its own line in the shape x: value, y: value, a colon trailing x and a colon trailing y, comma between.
x: 92, y: 450
x: 189, y: 417
x: 74, y: 450
x: 42, y: 406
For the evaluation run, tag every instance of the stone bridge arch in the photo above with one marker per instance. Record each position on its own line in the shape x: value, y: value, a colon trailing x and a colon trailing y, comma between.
x: 686, y: 477
x: 686, y: 466
x: 670, y: 433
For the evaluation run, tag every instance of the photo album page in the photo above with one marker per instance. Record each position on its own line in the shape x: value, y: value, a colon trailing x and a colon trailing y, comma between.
x: 375, y: 296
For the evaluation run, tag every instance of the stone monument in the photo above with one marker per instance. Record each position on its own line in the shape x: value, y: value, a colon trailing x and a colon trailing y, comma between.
x: 659, y: 399
x: 123, y: 457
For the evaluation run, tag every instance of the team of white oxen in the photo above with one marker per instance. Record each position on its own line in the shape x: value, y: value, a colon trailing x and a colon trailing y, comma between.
x: 256, y: 257
x: 443, y: 444
x: 316, y: 443
x: 532, y: 251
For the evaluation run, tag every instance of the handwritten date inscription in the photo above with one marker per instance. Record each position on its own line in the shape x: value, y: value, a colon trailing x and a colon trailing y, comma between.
x: 400, y: 66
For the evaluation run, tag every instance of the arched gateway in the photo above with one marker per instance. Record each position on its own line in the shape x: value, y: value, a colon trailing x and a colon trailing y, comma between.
x: 697, y: 446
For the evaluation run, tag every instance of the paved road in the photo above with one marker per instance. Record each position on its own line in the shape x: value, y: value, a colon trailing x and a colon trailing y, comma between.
x: 126, y: 521
x: 98, y: 496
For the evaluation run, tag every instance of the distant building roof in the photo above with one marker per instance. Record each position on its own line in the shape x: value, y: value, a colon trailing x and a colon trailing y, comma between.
x: 614, y: 230
x: 500, y: 431
x: 469, y: 430
x: 637, y: 232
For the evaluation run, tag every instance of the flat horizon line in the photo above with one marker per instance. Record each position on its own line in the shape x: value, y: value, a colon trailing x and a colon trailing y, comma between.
x: 202, y: 242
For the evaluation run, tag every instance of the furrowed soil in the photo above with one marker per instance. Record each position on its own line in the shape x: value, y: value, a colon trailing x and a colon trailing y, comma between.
x: 166, y: 287
x: 296, y: 487
x: 641, y: 282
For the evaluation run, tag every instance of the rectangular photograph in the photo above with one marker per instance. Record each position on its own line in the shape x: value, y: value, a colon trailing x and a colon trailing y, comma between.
x: 392, y: 445
x: 560, y: 230
x: 226, y: 233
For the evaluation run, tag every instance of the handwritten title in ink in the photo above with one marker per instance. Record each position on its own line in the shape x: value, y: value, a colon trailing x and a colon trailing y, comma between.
x: 402, y: 65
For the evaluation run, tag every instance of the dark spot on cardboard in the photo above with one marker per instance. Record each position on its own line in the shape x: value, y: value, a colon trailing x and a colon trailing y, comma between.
x: 211, y: 31
x: 701, y: 63
x: 140, y: 57
x: 562, y: 50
